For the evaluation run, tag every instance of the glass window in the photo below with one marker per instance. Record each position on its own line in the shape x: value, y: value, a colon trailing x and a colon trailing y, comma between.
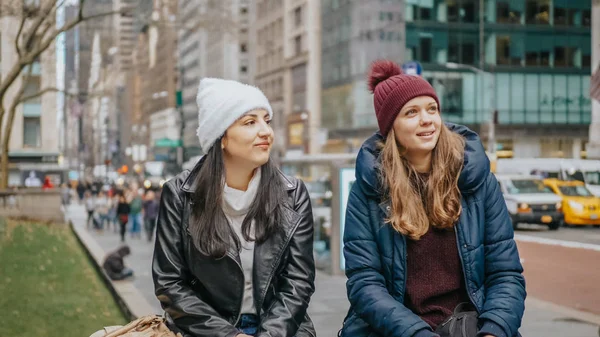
x: 527, y: 186
x: 560, y: 16
x: 508, y: 12
x: 538, y: 12
x: 586, y: 18
x: 425, y: 13
x: 564, y: 56
x: 454, y: 48
x: 469, y: 10
x: 298, y: 16
x: 592, y: 177
x: 425, y: 49
x: 503, y: 50
x: 575, y: 191
x: 452, y: 96
x: 453, y: 10
x: 462, y: 48
x: 298, y: 44
x: 31, y: 132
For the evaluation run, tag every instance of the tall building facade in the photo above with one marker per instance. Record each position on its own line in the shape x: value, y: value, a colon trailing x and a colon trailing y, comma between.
x: 155, y: 116
x: 213, y: 42
x: 527, y: 60
x: 355, y: 33
x: 34, y: 145
x: 286, y: 35
x: 524, y: 65
x: 125, y: 32
x: 593, y: 148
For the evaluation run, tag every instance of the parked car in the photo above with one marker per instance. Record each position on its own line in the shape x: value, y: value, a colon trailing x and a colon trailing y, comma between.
x: 530, y: 201
x: 579, y: 205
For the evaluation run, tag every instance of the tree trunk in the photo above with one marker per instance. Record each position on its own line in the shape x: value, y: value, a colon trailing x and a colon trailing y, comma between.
x: 4, y: 155
x: 5, y: 146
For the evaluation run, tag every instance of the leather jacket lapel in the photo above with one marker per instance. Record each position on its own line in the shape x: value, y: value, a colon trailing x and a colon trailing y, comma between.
x: 267, y: 255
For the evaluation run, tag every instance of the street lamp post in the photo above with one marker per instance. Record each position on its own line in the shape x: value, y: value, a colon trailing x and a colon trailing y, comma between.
x: 491, y: 122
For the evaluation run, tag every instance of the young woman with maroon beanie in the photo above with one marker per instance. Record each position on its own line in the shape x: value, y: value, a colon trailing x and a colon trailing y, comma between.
x: 426, y: 225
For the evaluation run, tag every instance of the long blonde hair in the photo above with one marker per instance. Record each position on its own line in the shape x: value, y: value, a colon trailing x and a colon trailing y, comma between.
x: 408, y: 215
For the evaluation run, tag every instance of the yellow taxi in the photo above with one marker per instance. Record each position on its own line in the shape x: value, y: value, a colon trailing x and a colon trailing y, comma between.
x: 579, y: 205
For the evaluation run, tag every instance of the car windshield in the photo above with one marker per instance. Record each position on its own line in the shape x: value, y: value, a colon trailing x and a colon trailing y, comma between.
x: 527, y: 186
x: 575, y: 191
x: 592, y: 177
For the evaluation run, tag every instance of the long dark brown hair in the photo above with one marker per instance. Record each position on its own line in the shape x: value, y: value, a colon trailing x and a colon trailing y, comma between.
x: 210, y: 230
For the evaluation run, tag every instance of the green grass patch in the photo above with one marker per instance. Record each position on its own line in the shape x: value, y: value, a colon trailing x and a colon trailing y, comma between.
x: 48, y: 286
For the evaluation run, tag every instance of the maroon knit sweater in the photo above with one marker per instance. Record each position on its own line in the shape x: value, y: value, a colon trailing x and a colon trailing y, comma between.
x: 434, y: 280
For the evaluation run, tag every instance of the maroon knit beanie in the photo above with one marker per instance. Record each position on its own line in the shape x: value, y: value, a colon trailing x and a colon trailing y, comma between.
x: 392, y: 89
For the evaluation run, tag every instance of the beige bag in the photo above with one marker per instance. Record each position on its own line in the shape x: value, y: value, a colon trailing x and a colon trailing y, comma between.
x: 146, y: 326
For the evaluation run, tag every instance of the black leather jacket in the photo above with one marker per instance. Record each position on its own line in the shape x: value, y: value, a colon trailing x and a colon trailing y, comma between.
x: 203, y: 295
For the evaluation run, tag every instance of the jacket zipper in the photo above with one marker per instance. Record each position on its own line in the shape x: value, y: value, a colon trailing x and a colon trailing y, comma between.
x: 243, y: 288
x: 462, y: 264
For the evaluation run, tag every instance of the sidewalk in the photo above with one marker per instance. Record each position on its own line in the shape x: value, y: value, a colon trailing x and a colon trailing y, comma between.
x: 328, y: 305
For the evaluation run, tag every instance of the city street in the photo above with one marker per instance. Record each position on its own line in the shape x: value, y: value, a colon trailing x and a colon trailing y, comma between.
x: 562, y: 282
x: 562, y: 266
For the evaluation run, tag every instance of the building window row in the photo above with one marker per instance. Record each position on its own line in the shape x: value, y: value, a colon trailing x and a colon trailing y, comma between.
x: 270, y: 60
x: 501, y: 48
x: 267, y: 6
x: 271, y: 33
x: 273, y: 88
x: 526, y: 12
x: 193, y: 47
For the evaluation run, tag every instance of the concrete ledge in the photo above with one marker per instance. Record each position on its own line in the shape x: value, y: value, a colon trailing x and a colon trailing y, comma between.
x: 32, y: 203
x: 128, y: 297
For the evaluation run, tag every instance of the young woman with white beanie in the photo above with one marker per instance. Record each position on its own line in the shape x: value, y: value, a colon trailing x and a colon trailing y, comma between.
x: 233, y: 254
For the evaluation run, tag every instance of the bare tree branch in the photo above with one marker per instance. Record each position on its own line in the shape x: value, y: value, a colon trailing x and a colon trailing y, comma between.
x: 80, y: 12
x: 50, y: 39
x: 46, y: 14
x: 18, y: 37
x: 24, y: 99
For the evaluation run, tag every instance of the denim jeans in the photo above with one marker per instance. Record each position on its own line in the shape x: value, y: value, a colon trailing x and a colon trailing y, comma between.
x: 248, y: 324
x: 136, y: 223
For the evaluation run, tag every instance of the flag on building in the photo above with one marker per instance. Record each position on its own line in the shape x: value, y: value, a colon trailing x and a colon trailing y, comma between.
x: 595, y: 85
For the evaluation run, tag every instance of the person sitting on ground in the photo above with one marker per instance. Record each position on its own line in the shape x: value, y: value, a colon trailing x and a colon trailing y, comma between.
x: 114, y: 265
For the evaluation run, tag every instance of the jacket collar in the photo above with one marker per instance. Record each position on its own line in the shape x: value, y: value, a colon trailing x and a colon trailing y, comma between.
x: 190, y: 184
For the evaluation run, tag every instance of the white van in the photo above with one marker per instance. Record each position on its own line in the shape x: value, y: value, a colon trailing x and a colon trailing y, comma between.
x: 585, y: 170
x: 529, y: 201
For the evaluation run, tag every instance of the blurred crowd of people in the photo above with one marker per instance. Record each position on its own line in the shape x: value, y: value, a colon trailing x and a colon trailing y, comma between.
x: 119, y: 208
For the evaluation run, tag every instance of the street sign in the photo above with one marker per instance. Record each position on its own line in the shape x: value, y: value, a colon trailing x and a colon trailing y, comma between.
x: 166, y: 142
x: 412, y: 68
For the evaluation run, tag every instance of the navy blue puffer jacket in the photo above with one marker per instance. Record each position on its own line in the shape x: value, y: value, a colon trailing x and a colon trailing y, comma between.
x: 376, y: 254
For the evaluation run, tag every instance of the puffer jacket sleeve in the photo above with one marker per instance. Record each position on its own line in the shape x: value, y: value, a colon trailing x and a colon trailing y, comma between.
x: 504, y: 283
x: 366, y: 285
x: 287, y: 314
x: 190, y: 314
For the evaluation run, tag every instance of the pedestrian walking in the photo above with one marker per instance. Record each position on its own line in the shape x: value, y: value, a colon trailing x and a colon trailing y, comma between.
x: 90, y: 207
x: 102, y: 208
x: 135, y: 216
x: 123, y: 210
x: 233, y: 253
x: 80, y: 191
x: 428, y: 241
x: 150, y: 213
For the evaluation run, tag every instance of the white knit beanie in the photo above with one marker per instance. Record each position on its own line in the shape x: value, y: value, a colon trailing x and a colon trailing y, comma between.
x: 220, y: 103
